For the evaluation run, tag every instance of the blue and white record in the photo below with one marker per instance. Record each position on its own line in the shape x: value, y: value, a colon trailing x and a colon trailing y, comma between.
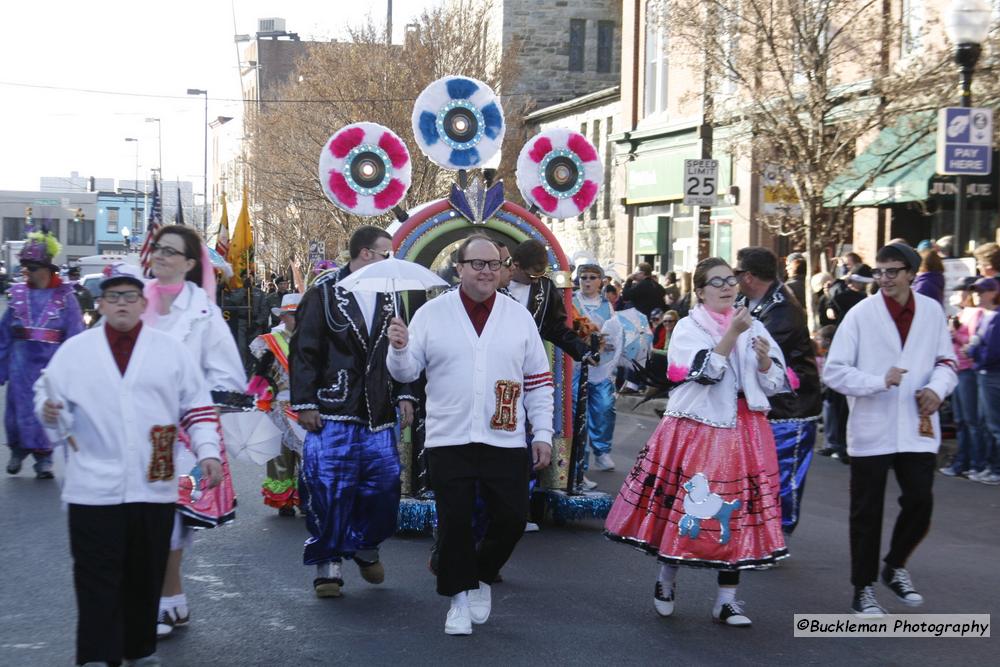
x: 458, y: 122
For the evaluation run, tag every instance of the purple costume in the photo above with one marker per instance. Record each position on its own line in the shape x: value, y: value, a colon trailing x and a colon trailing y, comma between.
x: 33, y: 327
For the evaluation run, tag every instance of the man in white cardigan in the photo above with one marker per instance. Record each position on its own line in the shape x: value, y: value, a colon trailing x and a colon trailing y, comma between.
x: 121, y: 478
x: 892, y: 357
x: 486, y: 372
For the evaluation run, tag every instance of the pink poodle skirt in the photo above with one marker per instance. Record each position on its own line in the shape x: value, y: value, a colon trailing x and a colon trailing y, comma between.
x: 200, y: 507
x: 704, y: 496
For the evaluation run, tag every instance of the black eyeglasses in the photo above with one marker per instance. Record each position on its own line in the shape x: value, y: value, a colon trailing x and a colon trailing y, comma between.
x: 507, y: 263
x: 590, y: 277
x: 383, y: 253
x: 131, y: 296
x: 718, y: 282
x: 165, y: 250
x: 887, y: 273
x: 480, y: 264
x: 33, y: 267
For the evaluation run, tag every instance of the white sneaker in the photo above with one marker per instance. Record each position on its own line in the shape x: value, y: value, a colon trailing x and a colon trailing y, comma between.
x: 664, y: 603
x: 604, y: 462
x: 165, y: 623
x: 732, y: 614
x: 588, y: 485
x: 991, y: 478
x: 531, y: 527
x: 458, y: 621
x: 480, y: 603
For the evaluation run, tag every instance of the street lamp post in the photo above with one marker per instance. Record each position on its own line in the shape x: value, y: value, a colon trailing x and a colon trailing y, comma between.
x: 204, y: 226
x: 967, y: 24
x: 159, y: 142
x: 135, y: 187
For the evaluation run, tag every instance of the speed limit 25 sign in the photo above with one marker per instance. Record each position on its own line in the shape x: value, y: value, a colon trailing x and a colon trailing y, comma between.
x: 701, y: 182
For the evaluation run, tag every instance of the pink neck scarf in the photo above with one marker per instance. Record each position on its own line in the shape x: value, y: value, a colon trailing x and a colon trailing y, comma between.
x: 154, y: 293
x: 715, y: 323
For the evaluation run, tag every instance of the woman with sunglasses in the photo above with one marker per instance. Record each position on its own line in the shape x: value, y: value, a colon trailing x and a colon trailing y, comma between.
x: 181, y: 302
x: 704, y: 489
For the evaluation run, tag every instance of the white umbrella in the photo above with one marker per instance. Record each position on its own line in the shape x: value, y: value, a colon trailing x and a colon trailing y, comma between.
x: 392, y: 275
x: 251, y: 435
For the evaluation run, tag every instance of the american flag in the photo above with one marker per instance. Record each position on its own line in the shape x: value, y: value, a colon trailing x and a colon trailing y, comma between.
x: 222, y: 239
x: 155, y: 220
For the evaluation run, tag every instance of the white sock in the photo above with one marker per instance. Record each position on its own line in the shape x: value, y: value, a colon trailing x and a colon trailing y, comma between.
x: 460, y: 600
x: 167, y: 604
x: 725, y: 594
x: 181, y: 604
x: 668, y: 573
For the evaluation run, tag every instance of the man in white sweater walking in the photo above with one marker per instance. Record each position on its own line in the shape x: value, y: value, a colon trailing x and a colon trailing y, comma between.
x: 892, y: 357
x: 486, y: 372
x: 121, y: 478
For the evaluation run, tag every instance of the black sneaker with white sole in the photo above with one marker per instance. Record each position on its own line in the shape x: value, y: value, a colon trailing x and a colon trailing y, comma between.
x: 898, y: 581
x: 664, y: 604
x: 865, y: 605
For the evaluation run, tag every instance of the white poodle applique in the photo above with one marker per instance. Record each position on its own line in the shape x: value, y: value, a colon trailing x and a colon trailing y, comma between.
x: 700, y: 503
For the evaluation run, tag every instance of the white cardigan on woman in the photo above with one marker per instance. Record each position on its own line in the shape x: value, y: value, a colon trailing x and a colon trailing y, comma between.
x: 197, y: 322
x: 865, y: 347
x: 711, y: 381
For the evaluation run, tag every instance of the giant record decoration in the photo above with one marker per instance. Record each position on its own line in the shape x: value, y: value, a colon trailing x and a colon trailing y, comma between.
x: 458, y: 122
x: 559, y: 172
x: 364, y: 169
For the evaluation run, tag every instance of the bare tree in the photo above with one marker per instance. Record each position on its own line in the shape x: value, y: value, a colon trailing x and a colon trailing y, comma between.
x: 359, y: 80
x: 803, y: 85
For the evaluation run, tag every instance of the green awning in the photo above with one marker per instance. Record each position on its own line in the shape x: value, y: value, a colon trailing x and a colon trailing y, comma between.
x: 904, y: 158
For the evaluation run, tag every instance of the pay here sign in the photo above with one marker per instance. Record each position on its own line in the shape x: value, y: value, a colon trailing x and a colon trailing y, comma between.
x: 964, y: 141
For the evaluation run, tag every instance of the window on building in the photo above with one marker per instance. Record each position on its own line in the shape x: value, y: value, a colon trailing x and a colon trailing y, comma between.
x: 79, y: 232
x: 136, y: 218
x: 112, y: 221
x: 656, y: 63
x: 605, y: 45
x: 577, y: 39
x: 914, y: 20
x: 13, y: 229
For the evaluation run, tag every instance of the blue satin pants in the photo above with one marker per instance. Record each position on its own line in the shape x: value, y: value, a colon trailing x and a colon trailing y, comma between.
x: 349, y: 487
x: 601, y: 415
x: 794, y: 441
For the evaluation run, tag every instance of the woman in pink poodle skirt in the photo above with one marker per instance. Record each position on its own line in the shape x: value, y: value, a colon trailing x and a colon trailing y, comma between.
x: 704, y: 490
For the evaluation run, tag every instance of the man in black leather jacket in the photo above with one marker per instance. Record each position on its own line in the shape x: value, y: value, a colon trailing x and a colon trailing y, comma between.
x: 793, y: 416
x: 346, y: 400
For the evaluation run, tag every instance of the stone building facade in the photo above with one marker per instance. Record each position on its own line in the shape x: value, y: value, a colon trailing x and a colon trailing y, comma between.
x: 564, y: 48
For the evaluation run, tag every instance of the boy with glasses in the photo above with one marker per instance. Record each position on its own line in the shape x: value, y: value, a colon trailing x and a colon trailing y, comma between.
x: 121, y: 475
x: 42, y: 312
x: 893, y: 358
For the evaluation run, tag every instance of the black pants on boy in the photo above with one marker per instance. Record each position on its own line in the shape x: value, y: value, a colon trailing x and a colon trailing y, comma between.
x: 915, y: 475
x: 119, y: 560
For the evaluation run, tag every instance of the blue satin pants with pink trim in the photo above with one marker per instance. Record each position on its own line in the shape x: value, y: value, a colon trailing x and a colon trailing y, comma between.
x: 349, y: 488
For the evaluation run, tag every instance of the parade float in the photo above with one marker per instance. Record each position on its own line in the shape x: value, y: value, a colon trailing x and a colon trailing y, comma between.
x: 364, y: 169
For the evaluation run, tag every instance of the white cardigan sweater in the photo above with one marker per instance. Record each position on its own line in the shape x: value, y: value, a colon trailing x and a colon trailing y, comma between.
x: 479, y: 388
x: 866, y: 346
x: 111, y: 417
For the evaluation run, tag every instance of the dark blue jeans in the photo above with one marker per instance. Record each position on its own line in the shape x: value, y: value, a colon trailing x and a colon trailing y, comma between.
x: 989, y: 408
x: 972, y: 438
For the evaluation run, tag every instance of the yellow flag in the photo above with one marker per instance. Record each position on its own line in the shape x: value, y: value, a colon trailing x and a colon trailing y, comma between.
x: 240, y: 255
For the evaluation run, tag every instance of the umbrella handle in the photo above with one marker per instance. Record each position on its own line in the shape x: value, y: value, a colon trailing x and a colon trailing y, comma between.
x: 395, y: 302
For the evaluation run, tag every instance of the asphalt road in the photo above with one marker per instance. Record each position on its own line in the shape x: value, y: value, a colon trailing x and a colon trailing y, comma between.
x: 569, y: 595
